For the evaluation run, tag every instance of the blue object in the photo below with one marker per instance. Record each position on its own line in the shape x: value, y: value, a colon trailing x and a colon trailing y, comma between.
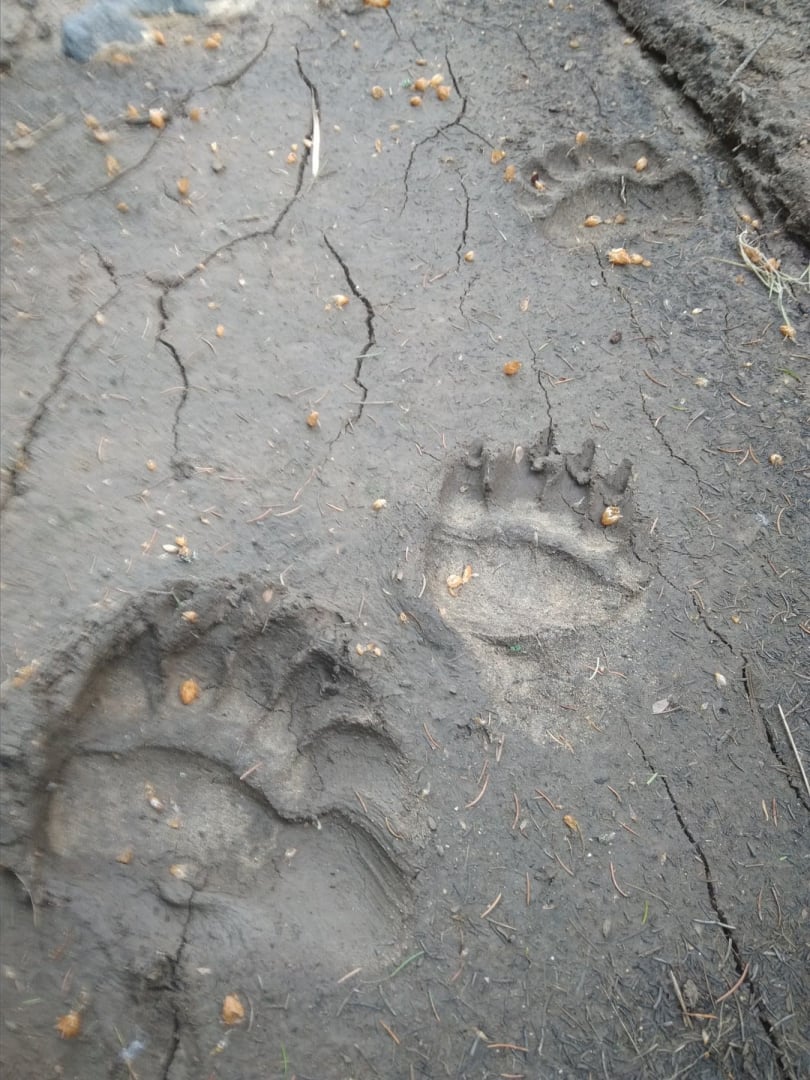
x: 108, y: 21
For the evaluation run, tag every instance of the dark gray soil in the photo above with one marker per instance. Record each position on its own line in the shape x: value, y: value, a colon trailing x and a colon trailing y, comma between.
x: 497, y: 761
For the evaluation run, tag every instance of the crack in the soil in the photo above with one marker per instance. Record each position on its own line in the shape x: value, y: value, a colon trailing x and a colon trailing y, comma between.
x: 179, y: 468
x: 544, y: 392
x: 435, y: 134
x: 20, y: 465
x: 634, y: 319
x: 232, y: 80
x: 462, y: 244
x: 174, y: 979
x: 655, y: 426
x: 742, y: 969
x: 371, y: 339
x: 107, y: 266
x: 174, y: 105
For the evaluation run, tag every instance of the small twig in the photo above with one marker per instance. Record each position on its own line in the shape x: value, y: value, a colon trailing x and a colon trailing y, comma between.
x: 793, y: 748
x: 479, y: 796
x: 388, y: 1031
x: 252, y: 769
x: 567, y: 869
x: 434, y: 745
x: 649, y: 376
x: 681, y: 1002
x: 621, y: 892
x: 733, y: 989
x: 492, y: 906
x: 741, y: 67
x: 542, y: 795
x: 517, y: 809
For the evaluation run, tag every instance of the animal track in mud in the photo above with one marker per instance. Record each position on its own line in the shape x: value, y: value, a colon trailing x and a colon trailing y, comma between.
x: 528, y: 522
x: 570, y: 184
x: 266, y: 815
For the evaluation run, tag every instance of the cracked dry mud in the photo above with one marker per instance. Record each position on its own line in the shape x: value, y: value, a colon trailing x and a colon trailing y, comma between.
x: 545, y: 823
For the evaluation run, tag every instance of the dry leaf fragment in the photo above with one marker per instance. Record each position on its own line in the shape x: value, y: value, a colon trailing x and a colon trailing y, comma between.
x: 183, y: 186
x: 313, y: 418
x: 112, y: 165
x: 151, y: 797
x: 455, y: 581
x: 592, y: 220
x: 69, y: 1025
x: 23, y: 674
x: 512, y: 367
x: 189, y: 691
x: 497, y: 156
x: 509, y: 173
x: 619, y: 257
x: 233, y: 1011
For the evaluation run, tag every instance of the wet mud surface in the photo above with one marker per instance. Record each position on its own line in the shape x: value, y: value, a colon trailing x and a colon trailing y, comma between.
x: 404, y: 604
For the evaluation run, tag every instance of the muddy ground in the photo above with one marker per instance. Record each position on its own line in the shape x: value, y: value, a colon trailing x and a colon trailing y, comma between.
x: 453, y: 721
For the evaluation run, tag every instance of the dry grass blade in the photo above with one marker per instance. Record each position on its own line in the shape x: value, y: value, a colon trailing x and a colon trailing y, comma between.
x: 789, y: 734
x: 768, y: 271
